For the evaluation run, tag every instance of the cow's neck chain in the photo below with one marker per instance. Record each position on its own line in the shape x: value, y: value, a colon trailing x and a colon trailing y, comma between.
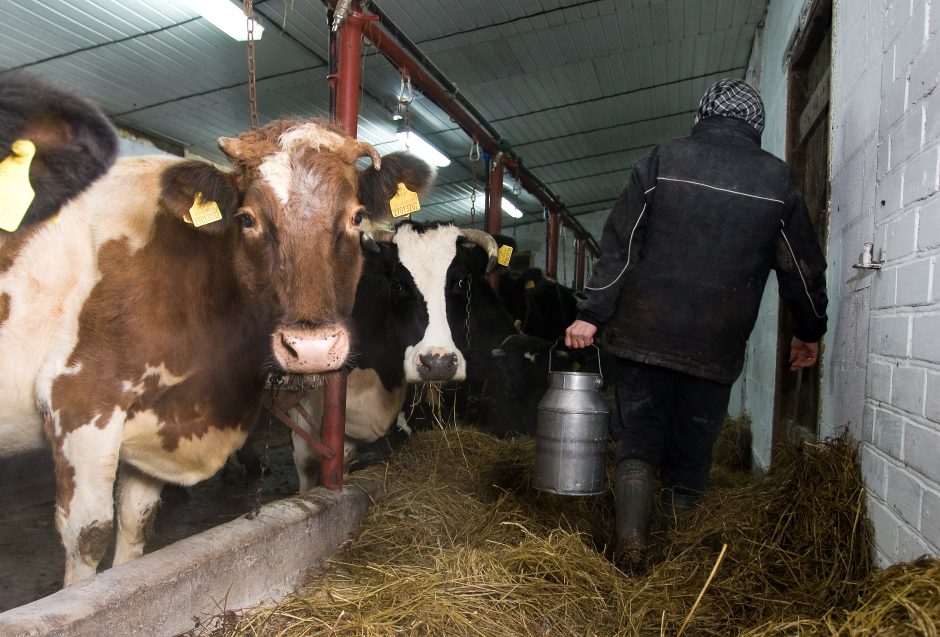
x: 467, y: 317
x: 275, y: 382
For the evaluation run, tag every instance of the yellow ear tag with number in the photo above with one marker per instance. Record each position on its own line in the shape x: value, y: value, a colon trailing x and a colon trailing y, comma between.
x: 404, y: 202
x: 504, y: 255
x: 16, y: 194
x: 203, y: 211
x: 530, y: 285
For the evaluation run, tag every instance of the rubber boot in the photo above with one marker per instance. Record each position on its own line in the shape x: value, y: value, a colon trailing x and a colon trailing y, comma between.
x: 633, y: 499
x: 678, y: 503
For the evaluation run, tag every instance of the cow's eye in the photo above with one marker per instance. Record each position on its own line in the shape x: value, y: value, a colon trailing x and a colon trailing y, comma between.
x: 462, y: 285
x: 358, y: 217
x: 246, y: 220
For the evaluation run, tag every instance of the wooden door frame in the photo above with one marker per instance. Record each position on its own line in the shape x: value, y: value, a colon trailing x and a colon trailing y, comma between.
x: 803, y: 113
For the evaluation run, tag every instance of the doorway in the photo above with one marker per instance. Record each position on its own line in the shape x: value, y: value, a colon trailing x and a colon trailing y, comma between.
x: 796, y: 405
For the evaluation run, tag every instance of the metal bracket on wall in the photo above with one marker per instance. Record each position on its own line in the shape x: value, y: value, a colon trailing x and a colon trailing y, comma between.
x: 866, y: 262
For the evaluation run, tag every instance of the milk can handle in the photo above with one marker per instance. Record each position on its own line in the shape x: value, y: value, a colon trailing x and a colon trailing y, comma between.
x: 600, y: 371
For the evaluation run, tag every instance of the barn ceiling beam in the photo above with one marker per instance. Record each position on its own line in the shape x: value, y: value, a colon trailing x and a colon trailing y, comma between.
x: 404, y: 54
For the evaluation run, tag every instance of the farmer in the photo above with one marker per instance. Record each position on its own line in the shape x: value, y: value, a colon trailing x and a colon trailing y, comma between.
x: 686, y: 252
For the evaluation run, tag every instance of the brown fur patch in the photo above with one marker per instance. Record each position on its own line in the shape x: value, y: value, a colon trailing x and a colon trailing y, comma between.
x: 93, y: 541
x: 12, y: 244
x: 64, y: 471
x: 4, y: 308
x: 147, y: 520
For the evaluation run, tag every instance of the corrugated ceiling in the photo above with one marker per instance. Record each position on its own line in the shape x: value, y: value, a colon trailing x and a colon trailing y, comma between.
x: 579, y: 88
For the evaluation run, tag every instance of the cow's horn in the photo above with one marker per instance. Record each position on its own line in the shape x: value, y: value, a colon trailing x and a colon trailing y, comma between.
x: 353, y: 149
x: 231, y: 146
x: 372, y: 235
x: 486, y: 241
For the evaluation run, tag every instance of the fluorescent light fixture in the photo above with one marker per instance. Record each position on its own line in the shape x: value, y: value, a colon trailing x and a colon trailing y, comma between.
x: 510, y: 209
x: 414, y: 143
x: 226, y: 17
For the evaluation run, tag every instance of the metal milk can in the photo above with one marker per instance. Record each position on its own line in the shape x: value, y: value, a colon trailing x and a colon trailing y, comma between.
x: 571, y: 434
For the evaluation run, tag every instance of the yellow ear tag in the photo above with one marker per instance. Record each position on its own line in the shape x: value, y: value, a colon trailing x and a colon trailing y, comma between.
x: 15, y: 192
x: 404, y: 202
x: 504, y: 255
x: 530, y: 285
x: 203, y: 212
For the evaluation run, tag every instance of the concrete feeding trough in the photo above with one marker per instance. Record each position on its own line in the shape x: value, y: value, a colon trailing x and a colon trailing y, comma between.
x: 237, y: 564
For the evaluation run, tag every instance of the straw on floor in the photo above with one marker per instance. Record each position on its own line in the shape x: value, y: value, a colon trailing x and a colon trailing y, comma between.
x: 461, y: 545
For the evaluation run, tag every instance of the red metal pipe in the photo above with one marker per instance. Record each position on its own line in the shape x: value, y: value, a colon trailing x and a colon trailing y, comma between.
x: 551, y: 256
x: 346, y: 87
x: 493, y: 223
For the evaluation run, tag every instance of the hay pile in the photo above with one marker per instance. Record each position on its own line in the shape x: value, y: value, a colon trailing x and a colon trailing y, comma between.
x: 461, y: 545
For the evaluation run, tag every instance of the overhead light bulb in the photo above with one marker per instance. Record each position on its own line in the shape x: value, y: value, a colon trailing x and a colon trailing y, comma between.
x: 414, y: 143
x: 508, y: 207
x: 226, y: 17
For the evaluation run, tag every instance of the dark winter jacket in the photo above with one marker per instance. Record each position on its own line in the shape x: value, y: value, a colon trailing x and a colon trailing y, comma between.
x: 688, y: 247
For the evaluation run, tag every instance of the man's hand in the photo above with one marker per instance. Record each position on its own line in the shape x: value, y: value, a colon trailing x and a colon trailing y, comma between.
x: 802, y: 354
x: 580, y: 334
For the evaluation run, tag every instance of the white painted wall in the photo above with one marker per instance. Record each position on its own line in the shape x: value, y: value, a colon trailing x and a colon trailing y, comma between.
x: 130, y: 145
x: 882, y: 352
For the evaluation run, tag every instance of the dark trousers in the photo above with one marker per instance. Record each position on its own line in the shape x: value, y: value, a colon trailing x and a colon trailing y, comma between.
x: 668, y: 419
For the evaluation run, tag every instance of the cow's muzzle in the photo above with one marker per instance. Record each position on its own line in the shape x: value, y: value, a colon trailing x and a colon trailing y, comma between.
x: 437, y: 366
x: 302, y: 350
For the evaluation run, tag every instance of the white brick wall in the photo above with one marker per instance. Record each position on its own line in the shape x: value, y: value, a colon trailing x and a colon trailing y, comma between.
x: 882, y: 353
x: 899, y: 461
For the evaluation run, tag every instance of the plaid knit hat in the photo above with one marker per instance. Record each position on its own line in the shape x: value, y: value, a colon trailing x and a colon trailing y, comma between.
x: 733, y: 98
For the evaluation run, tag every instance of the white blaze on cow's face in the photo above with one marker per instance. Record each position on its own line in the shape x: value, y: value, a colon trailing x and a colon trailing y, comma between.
x: 427, y: 256
x: 300, y: 230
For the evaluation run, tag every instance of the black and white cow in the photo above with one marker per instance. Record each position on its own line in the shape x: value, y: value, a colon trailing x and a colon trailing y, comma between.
x: 409, y: 296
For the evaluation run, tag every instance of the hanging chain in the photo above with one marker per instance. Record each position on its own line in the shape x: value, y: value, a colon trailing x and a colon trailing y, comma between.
x: 406, y: 94
x: 474, y: 159
x: 275, y: 383
x: 252, y: 92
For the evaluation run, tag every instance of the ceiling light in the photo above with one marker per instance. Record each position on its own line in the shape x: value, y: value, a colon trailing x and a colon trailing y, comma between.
x: 414, y: 143
x: 510, y: 209
x: 227, y: 17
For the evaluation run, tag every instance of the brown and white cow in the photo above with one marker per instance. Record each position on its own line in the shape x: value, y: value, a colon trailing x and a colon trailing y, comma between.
x: 145, y: 341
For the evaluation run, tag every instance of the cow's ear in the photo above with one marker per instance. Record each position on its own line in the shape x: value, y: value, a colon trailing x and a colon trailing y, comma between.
x: 200, y: 195
x: 377, y: 187
x: 73, y: 140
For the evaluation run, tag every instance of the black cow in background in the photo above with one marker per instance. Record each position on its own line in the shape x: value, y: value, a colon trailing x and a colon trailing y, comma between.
x: 74, y: 141
x: 543, y: 306
x: 507, y: 371
x: 402, y: 328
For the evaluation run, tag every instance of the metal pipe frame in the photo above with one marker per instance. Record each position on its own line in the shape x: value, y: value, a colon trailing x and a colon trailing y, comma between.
x: 345, y: 85
x: 404, y: 54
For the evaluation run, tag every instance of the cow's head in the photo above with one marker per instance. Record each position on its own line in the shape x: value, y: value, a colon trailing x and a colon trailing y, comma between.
x: 422, y: 264
x: 291, y: 219
x: 74, y: 142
